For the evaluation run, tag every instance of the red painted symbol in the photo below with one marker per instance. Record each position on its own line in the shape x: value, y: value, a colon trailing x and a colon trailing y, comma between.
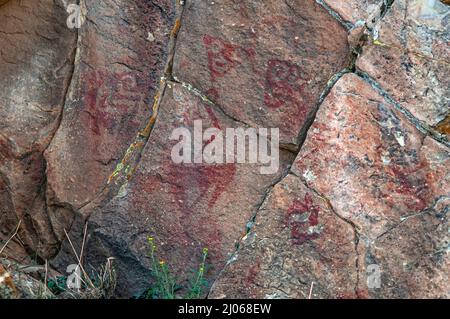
x: 284, y: 83
x: 109, y: 93
x: 224, y: 56
x: 302, y: 217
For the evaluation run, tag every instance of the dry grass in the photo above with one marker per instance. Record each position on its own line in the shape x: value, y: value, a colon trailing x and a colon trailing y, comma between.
x: 11, y: 237
x: 101, y: 285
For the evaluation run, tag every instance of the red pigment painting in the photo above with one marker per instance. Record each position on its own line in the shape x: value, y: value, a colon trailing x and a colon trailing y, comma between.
x: 224, y: 56
x: 300, y: 217
x: 109, y: 94
x: 284, y: 82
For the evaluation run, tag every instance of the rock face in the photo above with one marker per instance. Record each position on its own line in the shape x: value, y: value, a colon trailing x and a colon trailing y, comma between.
x: 358, y: 205
x: 389, y: 181
x: 37, y: 52
x: 191, y: 206
x: 368, y: 191
x: 410, y: 58
x: 263, y: 69
x: 118, y: 66
x: 356, y: 11
x: 198, y: 206
x: 297, y: 240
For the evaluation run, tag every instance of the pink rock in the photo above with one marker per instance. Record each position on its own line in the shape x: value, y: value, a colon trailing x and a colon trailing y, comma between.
x: 363, y: 214
x: 265, y: 64
x: 86, y: 118
x: 297, y: 242
x: 409, y: 58
x: 381, y: 174
x: 356, y: 10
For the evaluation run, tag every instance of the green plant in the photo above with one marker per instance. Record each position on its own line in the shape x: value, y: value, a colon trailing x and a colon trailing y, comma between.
x: 57, y: 285
x: 199, y: 283
x: 165, y: 284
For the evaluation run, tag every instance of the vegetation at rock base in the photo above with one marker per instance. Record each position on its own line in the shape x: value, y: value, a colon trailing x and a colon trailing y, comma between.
x: 99, y: 285
x: 165, y: 284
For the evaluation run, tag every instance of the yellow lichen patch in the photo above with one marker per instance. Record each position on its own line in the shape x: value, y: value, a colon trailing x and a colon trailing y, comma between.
x: 444, y: 126
x: 378, y: 42
x: 137, y: 145
x: 176, y: 28
x: 126, y: 165
x: 148, y: 128
x: 116, y: 172
x: 6, y: 281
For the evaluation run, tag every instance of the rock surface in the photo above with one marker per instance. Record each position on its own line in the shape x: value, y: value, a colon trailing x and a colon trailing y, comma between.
x: 266, y: 70
x: 36, y: 60
x: 356, y: 11
x: 209, y: 206
x: 388, y: 180
x: 382, y: 179
x: 359, y: 90
x: 185, y: 207
x: 409, y: 58
x: 109, y: 101
x: 297, y: 240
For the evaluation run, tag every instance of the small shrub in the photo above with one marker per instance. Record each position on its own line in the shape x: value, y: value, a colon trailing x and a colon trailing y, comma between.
x: 57, y: 285
x: 199, y: 283
x: 165, y: 284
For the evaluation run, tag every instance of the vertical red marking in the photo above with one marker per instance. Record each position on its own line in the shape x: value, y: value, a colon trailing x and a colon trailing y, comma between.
x: 408, y: 184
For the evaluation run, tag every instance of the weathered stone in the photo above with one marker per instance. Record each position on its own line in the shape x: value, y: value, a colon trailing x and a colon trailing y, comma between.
x: 413, y: 256
x: 36, y: 59
x: 380, y: 173
x: 87, y: 115
x: 185, y: 207
x: 296, y: 241
x: 376, y: 201
x: 409, y: 57
x: 116, y: 77
x: 355, y: 11
x: 185, y: 197
x: 264, y: 63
